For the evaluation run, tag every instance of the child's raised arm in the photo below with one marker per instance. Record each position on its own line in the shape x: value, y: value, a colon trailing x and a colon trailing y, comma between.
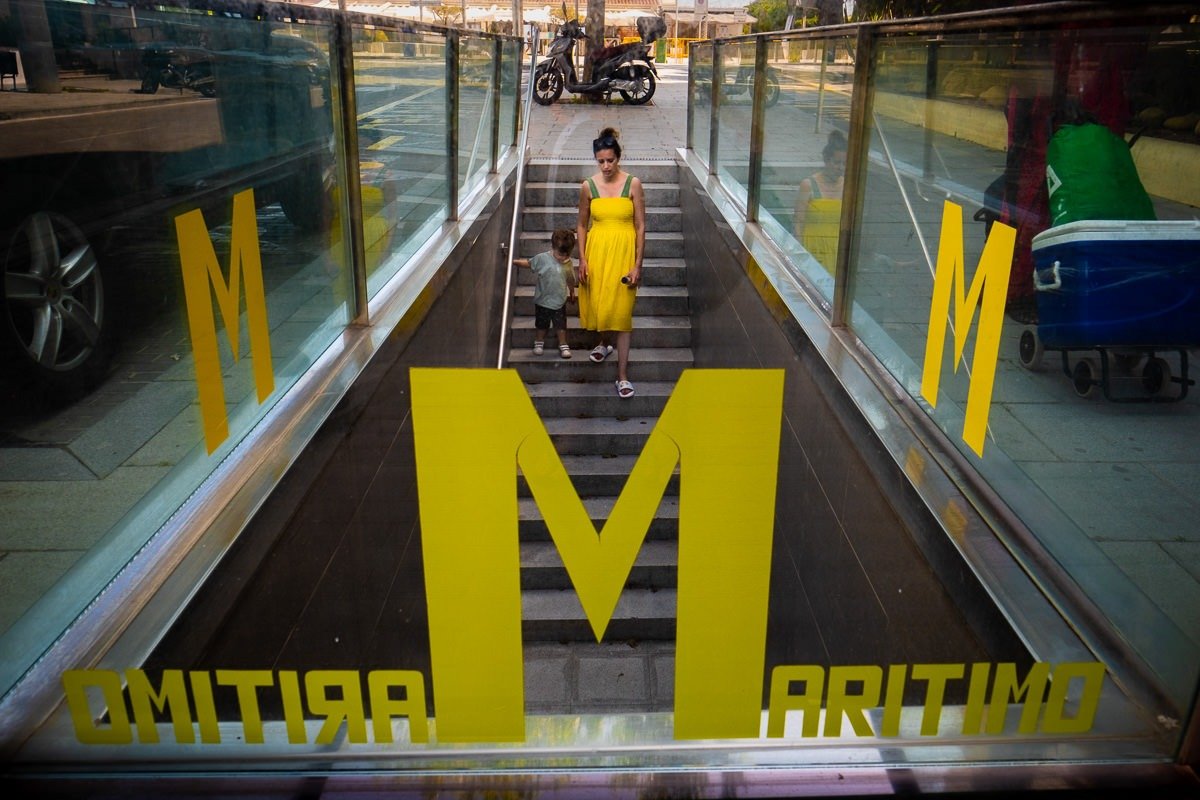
x: 521, y: 262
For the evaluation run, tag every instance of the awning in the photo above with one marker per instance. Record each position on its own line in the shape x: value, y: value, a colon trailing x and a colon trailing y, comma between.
x: 714, y: 19
x: 730, y: 19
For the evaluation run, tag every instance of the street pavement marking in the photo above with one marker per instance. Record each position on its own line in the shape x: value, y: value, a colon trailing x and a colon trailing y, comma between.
x: 386, y: 142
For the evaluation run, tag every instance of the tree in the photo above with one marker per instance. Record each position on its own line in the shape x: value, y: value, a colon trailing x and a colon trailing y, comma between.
x: 898, y: 9
x: 771, y: 15
x: 446, y: 14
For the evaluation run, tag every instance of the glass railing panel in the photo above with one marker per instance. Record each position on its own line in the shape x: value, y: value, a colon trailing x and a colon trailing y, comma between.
x: 510, y: 81
x: 475, y: 92
x: 805, y: 127
x: 700, y: 106
x: 733, y: 117
x: 171, y: 281
x: 1084, y: 316
x: 400, y: 82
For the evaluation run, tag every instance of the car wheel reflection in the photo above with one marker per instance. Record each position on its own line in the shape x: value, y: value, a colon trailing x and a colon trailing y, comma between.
x: 54, y: 302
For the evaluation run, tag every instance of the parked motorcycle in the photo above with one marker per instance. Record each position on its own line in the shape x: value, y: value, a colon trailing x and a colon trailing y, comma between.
x: 177, y: 68
x: 625, y: 68
x: 738, y: 83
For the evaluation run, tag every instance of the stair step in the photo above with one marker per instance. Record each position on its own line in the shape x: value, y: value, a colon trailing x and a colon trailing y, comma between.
x: 673, y: 331
x: 558, y: 171
x: 599, y: 435
x: 555, y: 615
x: 645, y: 364
x: 532, y: 527
x: 599, y: 476
x: 549, y: 218
x: 658, y: 244
x: 566, y: 193
x: 542, y: 567
x: 655, y: 272
x: 651, y: 301
x: 598, y: 399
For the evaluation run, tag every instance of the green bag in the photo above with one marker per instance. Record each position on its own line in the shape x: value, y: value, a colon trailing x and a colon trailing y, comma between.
x: 1091, y: 175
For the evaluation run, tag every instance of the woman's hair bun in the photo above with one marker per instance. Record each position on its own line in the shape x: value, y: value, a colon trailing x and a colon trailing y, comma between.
x: 610, y: 133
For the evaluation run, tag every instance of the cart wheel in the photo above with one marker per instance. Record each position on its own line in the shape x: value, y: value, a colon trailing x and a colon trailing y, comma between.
x: 1084, y: 376
x: 1029, y: 348
x: 1156, y: 376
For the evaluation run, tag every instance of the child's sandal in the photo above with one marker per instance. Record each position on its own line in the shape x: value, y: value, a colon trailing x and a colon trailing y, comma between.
x: 564, y: 350
x: 537, y: 348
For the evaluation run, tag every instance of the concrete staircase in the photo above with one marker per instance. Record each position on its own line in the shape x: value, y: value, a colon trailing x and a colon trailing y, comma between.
x: 597, y: 434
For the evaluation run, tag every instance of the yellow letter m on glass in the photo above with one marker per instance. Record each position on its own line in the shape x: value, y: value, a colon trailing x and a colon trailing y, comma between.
x: 989, y: 286
x: 473, y: 428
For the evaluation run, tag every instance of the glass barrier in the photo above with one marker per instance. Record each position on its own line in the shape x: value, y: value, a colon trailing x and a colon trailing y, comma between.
x: 139, y: 152
x: 804, y: 151
x: 1057, y: 358
x: 475, y: 111
x: 965, y: 134
x: 173, y: 247
x: 700, y: 105
x: 733, y: 116
x: 510, y: 92
x: 399, y: 86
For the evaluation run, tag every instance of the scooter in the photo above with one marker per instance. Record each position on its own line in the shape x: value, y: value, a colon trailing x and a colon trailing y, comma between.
x: 625, y: 68
x: 741, y: 83
x: 177, y: 68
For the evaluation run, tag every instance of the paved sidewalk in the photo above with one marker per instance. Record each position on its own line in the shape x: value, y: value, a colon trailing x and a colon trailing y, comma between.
x: 654, y: 131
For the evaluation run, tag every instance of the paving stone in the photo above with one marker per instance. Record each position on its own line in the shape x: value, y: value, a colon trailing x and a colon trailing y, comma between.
x: 41, y: 464
x: 126, y: 428
x: 546, y: 683
x: 46, y: 515
x: 26, y: 576
x: 618, y: 679
x: 1163, y: 580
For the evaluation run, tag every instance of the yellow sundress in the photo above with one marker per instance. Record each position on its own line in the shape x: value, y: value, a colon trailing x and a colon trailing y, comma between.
x: 822, y: 223
x: 606, y: 304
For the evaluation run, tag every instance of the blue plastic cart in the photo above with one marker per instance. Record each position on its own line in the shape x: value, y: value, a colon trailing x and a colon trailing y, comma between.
x: 1127, y: 292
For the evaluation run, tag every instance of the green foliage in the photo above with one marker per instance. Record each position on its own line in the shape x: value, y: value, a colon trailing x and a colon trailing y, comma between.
x: 899, y: 9
x: 771, y: 15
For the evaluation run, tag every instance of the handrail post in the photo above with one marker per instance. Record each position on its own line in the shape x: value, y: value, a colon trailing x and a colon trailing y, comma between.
x: 510, y: 251
x: 689, y: 141
x: 718, y: 79
x: 452, y: 53
x: 497, y: 73
x: 857, y: 160
x: 758, y: 112
x: 351, y: 209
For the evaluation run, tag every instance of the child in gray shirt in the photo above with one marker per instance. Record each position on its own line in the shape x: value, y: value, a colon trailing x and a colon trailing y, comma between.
x: 555, y: 273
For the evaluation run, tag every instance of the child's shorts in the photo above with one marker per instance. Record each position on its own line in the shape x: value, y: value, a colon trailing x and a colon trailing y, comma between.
x: 546, y: 318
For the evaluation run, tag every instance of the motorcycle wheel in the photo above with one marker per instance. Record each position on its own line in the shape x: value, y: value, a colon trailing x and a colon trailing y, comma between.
x: 149, y: 82
x: 772, y: 95
x: 644, y: 91
x: 547, y: 86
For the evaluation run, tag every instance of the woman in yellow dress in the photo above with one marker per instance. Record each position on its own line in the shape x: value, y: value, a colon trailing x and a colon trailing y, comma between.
x: 612, y: 237
x: 818, y: 213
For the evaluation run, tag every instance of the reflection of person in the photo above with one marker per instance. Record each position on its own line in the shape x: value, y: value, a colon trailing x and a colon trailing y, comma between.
x: 612, y: 237
x: 555, y: 288
x: 818, y: 211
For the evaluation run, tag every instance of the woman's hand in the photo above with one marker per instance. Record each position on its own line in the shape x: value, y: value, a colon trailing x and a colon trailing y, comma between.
x: 633, y: 277
x: 583, y: 272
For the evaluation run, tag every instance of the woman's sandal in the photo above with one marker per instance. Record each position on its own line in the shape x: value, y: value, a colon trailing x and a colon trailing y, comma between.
x: 564, y: 350
x: 624, y: 390
x: 600, y: 352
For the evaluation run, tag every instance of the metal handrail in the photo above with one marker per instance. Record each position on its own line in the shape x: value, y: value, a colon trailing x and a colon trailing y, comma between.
x: 519, y: 189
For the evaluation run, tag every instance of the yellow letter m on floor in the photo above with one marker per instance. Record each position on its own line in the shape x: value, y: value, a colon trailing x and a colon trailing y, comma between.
x: 473, y: 428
